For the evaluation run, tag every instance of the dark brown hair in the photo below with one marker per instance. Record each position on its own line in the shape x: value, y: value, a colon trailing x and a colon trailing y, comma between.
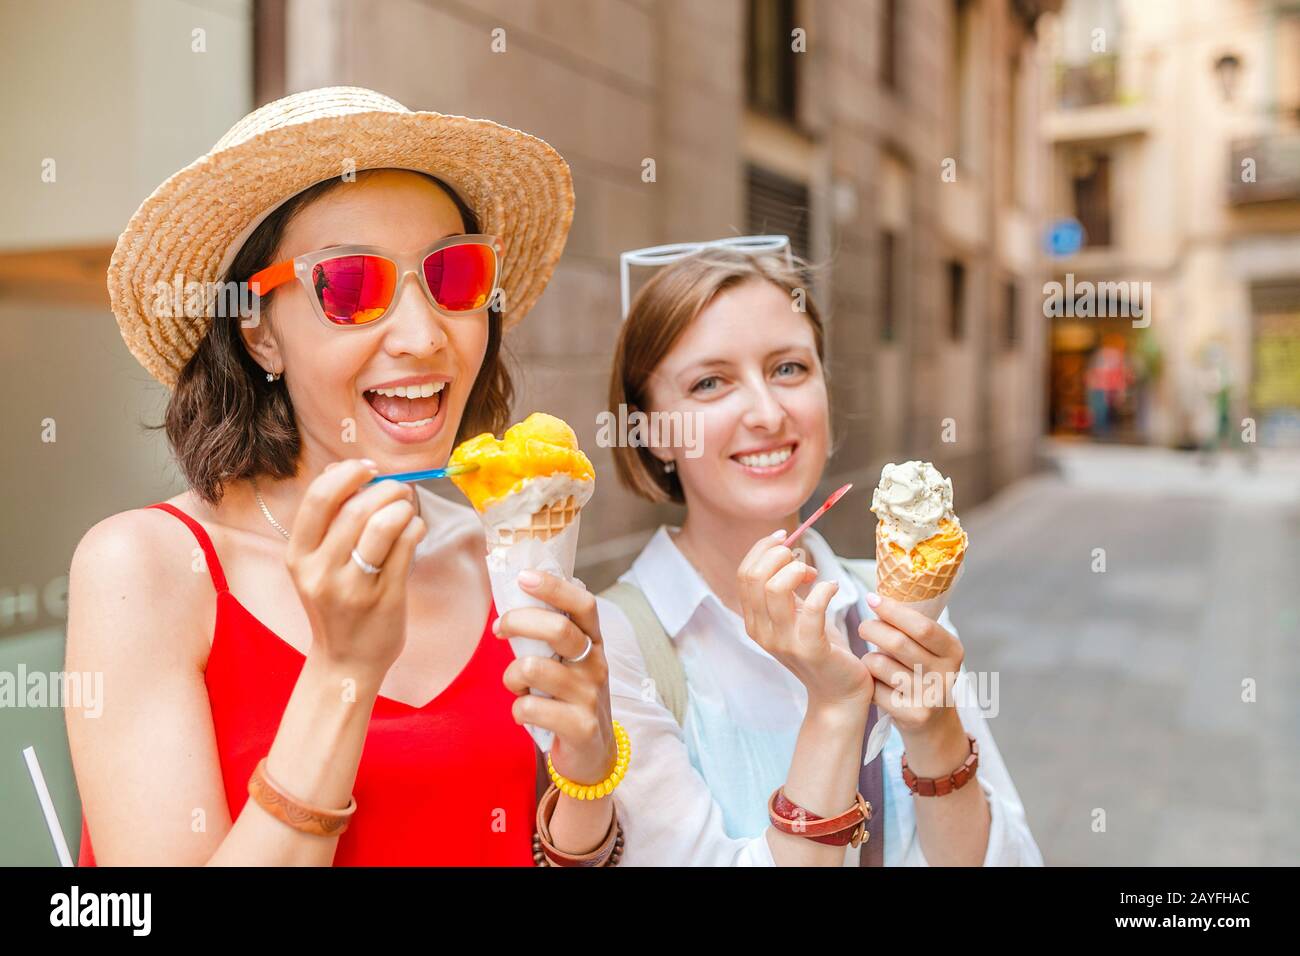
x: 225, y: 422
x: 659, y: 315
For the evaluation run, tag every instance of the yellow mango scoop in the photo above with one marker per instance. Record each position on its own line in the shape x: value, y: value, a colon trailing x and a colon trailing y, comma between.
x: 538, y: 447
x: 936, y: 549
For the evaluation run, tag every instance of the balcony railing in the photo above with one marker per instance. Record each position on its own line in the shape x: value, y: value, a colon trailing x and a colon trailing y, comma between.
x: 1265, y: 168
x: 1095, y: 83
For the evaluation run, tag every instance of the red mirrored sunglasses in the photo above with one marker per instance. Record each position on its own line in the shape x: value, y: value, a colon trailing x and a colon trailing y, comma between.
x: 359, y: 285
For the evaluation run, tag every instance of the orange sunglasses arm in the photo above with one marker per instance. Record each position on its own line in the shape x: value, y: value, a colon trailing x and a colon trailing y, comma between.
x: 271, y: 277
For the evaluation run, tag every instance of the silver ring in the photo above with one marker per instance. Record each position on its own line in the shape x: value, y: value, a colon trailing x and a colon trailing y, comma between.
x: 363, y: 564
x: 581, y: 657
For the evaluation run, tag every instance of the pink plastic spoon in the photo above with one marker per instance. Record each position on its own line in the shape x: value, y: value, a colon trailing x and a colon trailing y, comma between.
x: 835, y: 496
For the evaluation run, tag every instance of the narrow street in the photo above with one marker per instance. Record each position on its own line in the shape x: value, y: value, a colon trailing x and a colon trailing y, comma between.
x: 1122, y: 690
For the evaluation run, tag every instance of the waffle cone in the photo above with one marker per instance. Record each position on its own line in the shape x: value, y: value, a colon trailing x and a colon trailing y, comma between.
x: 895, y: 577
x: 545, y: 524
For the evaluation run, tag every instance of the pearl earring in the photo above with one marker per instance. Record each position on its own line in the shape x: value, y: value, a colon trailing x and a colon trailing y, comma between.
x: 670, y: 466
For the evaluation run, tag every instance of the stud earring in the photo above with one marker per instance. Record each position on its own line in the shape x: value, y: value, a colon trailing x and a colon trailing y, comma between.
x: 272, y: 376
x: 670, y: 466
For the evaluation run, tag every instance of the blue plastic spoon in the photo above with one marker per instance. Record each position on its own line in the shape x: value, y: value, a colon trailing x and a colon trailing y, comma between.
x: 424, y: 475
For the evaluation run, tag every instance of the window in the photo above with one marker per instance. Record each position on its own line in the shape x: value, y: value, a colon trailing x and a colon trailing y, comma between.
x: 1087, y: 75
x: 888, y: 286
x: 770, y: 63
x: 777, y: 205
x: 956, y: 300
x: 889, y: 75
x: 269, y: 17
x: 1090, y: 184
x: 1014, y: 137
x: 1286, y: 64
x: 1274, y: 388
x: 1011, y: 327
x: 963, y: 97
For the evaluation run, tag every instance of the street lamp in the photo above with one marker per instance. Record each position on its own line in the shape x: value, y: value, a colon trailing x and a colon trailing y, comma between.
x: 1228, y: 67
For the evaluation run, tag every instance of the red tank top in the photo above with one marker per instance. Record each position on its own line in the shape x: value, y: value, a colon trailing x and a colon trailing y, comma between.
x: 452, y: 783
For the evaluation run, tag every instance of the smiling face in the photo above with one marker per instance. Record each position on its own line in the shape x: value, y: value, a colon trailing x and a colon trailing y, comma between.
x: 395, y: 392
x: 747, y: 369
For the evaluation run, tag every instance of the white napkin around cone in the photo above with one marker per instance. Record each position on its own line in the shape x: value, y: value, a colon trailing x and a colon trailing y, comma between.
x: 554, y: 556
x: 931, y: 608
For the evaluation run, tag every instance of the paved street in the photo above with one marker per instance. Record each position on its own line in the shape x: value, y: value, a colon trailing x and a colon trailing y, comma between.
x: 1122, y: 690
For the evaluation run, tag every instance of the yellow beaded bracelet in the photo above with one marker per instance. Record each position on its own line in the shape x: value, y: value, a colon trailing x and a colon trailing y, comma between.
x: 595, y: 791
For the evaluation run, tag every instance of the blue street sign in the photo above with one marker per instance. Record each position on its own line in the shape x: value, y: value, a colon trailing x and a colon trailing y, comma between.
x: 1064, y: 237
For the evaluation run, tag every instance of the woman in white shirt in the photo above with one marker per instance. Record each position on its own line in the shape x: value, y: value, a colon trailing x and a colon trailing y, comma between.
x: 736, y: 679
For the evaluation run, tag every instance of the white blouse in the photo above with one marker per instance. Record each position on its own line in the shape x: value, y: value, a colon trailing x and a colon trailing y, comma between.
x: 697, y: 794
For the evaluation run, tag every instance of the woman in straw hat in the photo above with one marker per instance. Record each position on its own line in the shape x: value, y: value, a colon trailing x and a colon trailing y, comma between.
x: 261, y: 630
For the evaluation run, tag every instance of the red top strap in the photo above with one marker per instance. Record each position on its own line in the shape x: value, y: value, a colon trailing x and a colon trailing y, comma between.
x: 209, y: 552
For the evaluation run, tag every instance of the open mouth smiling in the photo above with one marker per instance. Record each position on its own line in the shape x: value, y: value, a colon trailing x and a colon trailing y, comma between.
x: 412, y: 409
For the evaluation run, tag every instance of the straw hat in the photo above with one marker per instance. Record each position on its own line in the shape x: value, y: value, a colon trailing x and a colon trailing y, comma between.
x: 194, y: 224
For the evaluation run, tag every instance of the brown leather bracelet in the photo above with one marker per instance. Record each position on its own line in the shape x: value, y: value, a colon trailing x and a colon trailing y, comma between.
x: 608, y: 853
x: 849, y: 828
x: 942, y: 786
x: 293, y: 812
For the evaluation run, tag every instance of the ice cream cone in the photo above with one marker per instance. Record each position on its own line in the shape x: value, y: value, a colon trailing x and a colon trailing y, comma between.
x: 920, y: 546
x: 549, y: 542
x: 926, y: 587
x: 920, y: 543
x: 528, y: 490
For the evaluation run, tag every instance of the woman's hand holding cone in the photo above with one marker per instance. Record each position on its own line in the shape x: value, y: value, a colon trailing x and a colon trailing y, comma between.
x: 577, y: 711
x: 906, y: 639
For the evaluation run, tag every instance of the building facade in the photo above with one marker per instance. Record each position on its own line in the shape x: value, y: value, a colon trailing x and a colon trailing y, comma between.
x: 1174, y: 130
x: 894, y: 141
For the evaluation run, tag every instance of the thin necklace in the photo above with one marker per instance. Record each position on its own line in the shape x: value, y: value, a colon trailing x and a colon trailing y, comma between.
x: 257, y: 493
x: 267, y: 511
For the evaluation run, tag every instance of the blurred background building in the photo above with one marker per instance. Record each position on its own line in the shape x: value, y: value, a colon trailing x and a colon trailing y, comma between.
x: 1175, y: 143
x: 896, y: 142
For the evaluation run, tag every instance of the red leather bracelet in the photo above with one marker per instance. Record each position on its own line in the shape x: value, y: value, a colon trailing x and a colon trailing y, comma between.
x: 545, y: 853
x: 942, y: 786
x: 847, y: 829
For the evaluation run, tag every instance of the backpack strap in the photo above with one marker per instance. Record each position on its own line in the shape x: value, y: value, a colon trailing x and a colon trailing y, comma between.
x: 661, y: 661
x: 657, y: 649
x: 871, y: 776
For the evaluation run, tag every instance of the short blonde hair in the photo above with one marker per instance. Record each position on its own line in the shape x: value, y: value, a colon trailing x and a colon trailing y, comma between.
x: 662, y: 310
